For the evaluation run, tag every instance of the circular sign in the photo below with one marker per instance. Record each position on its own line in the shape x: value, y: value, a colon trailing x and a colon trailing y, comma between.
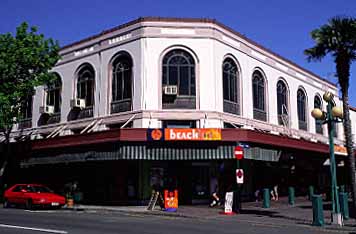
x: 156, y: 134
x: 239, y: 152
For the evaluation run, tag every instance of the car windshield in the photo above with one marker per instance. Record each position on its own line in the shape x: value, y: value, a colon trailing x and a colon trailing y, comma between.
x: 38, y: 189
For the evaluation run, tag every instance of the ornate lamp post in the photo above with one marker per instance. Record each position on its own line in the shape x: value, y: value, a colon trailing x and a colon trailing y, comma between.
x: 333, y: 114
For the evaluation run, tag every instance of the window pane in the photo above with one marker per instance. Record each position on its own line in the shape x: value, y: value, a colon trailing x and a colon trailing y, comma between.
x: 127, y: 84
x: 192, y: 81
x: 173, y: 75
x: 164, y: 76
x: 183, y: 81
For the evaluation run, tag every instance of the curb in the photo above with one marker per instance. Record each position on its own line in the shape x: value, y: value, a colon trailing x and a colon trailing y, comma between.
x: 144, y: 212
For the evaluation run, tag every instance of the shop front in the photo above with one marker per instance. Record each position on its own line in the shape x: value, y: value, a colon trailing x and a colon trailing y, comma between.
x: 122, y: 168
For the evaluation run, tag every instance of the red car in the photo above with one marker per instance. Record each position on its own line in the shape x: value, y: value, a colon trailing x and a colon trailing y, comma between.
x: 32, y: 195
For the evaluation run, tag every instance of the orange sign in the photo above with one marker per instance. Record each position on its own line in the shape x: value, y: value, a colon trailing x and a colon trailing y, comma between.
x: 340, y: 150
x: 171, y: 200
x: 192, y: 134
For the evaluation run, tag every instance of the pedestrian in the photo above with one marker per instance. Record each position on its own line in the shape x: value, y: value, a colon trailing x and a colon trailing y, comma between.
x: 257, y: 195
x: 214, y: 187
x: 274, y: 192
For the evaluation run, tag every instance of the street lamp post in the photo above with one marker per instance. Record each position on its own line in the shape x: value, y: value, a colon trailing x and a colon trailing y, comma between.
x: 332, y: 115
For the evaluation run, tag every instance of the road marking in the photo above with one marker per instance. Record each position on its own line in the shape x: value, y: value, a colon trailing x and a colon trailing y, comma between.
x: 34, y: 229
x: 41, y: 211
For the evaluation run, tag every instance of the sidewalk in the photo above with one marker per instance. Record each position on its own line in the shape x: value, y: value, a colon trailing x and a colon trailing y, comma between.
x: 279, y: 213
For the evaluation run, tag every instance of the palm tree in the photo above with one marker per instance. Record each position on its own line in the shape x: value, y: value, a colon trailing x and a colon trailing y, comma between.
x: 338, y: 39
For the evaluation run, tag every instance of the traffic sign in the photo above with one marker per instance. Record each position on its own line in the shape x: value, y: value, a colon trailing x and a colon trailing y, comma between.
x: 239, y: 152
x: 239, y: 176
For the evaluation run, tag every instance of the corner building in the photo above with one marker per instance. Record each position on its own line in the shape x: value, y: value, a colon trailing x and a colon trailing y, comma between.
x: 104, y: 121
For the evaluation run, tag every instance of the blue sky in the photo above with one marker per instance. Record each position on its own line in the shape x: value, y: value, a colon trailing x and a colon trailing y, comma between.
x: 280, y: 25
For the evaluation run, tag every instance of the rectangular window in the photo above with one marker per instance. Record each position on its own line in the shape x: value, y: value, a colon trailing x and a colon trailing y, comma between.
x: 179, y: 124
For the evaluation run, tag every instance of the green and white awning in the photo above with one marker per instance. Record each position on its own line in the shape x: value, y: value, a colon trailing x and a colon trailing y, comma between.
x: 152, y: 152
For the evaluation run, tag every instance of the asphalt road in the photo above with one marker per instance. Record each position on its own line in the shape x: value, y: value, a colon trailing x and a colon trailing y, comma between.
x: 102, y: 222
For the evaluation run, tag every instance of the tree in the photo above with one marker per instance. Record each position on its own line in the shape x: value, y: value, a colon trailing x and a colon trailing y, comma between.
x: 338, y: 39
x: 25, y: 62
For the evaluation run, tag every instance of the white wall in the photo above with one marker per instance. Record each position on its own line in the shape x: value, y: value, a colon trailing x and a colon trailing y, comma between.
x: 147, y: 53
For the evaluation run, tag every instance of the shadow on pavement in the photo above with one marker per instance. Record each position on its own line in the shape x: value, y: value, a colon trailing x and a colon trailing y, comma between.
x: 273, y: 214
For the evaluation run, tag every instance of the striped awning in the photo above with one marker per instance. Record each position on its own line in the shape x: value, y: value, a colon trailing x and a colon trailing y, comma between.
x: 136, y: 152
x: 262, y: 154
x: 152, y: 152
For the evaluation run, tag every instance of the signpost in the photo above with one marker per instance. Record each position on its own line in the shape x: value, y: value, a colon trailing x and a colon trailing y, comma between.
x: 239, y: 155
x: 239, y: 176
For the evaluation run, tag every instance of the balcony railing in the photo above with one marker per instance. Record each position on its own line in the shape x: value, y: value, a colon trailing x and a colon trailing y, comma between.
x: 259, y: 115
x: 25, y: 123
x: 283, y: 120
x: 121, y: 106
x: 303, y: 125
x: 232, y: 107
x: 55, y: 118
x: 87, y: 112
x: 179, y: 102
x: 318, y: 127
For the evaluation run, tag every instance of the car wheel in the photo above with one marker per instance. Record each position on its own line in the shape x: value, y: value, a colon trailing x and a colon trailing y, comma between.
x: 6, y: 204
x: 29, y: 205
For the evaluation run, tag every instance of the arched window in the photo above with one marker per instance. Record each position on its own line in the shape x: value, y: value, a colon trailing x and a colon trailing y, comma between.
x: 121, y: 84
x: 85, y: 90
x: 258, y: 92
x: 53, y: 94
x: 301, y: 106
x: 178, y: 80
x: 26, y: 113
x: 54, y: 99
x: 230, y: 87
x: 282, y: 104
x: 85, y: 85
x: 318, y: 123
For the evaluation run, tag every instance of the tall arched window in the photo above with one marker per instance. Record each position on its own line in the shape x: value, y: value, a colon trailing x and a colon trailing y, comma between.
x: 258, y: 92
x: 178, y: 80
x: 26, y: 113
x: 85, y: 85
x: 230, y: 87
x: 301, y: 107
x: 282, y: 104
x: 121, y: 84
x: 85, y: 90
x: 318, y: 123
x: 54, y: 98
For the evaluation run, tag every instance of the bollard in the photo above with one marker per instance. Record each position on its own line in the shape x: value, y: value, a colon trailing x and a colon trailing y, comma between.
x: 266, y: 198
x: 344, y: 205
x: 291, y: 196
x: 311, y: 192
x: 318, y: 215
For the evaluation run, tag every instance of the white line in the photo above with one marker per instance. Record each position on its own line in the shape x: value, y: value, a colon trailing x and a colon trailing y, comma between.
x: 34, y: 229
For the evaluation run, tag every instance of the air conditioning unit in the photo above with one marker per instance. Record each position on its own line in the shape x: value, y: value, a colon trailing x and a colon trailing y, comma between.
x: 170, y: 90
x: 47, y: 110
x: 77, y: 103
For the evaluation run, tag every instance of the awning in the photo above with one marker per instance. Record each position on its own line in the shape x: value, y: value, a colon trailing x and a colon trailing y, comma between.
x: 152, y: 152
x: 136, y: 152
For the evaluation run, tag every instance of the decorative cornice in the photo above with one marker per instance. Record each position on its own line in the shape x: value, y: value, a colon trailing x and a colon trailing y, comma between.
x: 122, y: 31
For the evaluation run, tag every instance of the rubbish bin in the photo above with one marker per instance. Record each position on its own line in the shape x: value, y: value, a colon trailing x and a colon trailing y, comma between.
x: 318, y: 215
x: 344, y: 206
x: 291, y: 196
x: 266, y: 198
